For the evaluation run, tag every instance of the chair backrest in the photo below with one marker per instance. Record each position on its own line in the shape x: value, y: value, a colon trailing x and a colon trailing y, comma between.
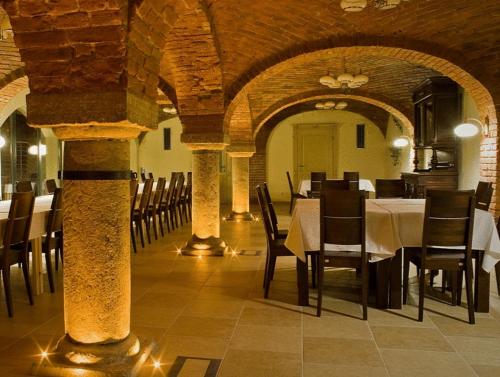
x: 290, y: 184
x: 351, y: 176
x: 316, y: 178
x: 335, y: 184
x: 146, y: 194
x: 18, y: 225
x: 270, y: 208
x: 189, y: 186
x: 143, y: 177
x: 160, y: 188
x: 134, y: 188
x: 390, y: 188
x: 24, y: 186
x: 50, y: 186
x: 167, y: 198
x: 449, y: 219
x: 265, y: 215
x: 133, y: 175
x: 179, y: 187
x: 55, y: 218
x: 484, y: 192
x: 150, y: 175
x: 342, y: 217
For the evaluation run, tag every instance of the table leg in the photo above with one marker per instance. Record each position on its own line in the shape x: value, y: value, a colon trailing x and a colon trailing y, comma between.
x: 395, y: 290
x: 383, y: 269
x: 37, y: 267
x: 302, y: 285
x: 481, y: 287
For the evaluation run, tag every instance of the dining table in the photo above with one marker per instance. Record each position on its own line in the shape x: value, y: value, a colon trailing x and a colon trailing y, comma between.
x: 364, y: 184
x: 37, y: 231
x: 391, y: 225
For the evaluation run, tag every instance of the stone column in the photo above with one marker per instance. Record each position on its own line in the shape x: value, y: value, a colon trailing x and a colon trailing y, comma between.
x: 205, y: 204
x: 96, y: 196
x: 240, y: 178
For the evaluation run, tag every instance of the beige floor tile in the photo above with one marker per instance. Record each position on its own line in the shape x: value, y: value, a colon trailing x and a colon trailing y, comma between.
x: 267, y: 338
x: 243, y: 363
x: 203, y: 327
x: 271, y: 316
x: 354, y: 352
x: 402, y: 363
x: 214, y: 308
x: 484, y: 327
x: 337, y: 326
x: 410, y: 338
x: 334, y: 370
x: 486, y: 370
x: 405, y: 317
x: 169, y: 347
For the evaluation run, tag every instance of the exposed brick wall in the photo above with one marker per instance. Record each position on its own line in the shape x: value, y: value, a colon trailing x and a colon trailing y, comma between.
x: 12, y: 89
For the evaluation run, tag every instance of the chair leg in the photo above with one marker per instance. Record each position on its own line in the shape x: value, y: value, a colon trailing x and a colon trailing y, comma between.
x: 314, y: 267
x: 155, y: 227
x: 148, y: 226
x: 27, y: 281
x: 8, y: 293
x: 291, y: 205
x: 468, y: 290
x: 272, y: 263
x: 406, y: 272
x: 321, y: 271
x: 266, y: 270
x: 50, y: 275
x: 421, y: 287
x: 141, y: 231
x: 444, y: 277
x: 460, y: 282
x: 179, y: 209
x: 160, y: 221
x: 132, y: 237
x: 454, y: 292
x: 364, y: 293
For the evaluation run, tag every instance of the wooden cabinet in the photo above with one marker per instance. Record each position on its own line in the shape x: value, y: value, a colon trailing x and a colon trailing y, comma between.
x: 417, y: 183
x: 437, y: 106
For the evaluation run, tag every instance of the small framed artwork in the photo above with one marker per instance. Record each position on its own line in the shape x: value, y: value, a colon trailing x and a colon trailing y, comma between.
x: 166, y: 139
x: 360, y: 135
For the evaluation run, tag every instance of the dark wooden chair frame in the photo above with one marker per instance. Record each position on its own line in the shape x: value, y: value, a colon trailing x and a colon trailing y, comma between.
x: 293, y: 195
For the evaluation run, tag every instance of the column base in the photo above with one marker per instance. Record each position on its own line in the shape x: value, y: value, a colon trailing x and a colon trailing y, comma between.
x: 238, y: 217
x: 211, y: 246
x: 122, y: 359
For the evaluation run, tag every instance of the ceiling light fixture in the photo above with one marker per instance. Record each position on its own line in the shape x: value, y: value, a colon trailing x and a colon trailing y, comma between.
x: 330, y: 105
x: 344, y: 80
x: 359, y: 5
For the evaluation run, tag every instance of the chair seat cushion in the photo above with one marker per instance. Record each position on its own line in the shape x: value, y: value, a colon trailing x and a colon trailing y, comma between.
x: 336, y: 253
x: 437, y: 253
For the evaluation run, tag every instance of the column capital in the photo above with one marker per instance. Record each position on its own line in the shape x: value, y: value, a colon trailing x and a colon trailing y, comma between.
x: 205, y: 141
x: 241, y: 150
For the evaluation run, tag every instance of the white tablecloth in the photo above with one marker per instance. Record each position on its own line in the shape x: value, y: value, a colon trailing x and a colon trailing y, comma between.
x: 390, y: 225
x: 364, y: 184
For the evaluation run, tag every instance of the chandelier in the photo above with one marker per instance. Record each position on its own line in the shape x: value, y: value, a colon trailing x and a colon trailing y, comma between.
x: 359, y: 5
x: 330, y: 105
x: 344, y: 80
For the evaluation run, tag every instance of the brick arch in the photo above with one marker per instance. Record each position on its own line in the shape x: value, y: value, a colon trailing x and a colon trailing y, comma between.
x: 395, y: 109
x: 10, y: 96
x: 437, y: 58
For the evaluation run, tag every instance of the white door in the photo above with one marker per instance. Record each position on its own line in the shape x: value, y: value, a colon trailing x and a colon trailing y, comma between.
x: 313, y: 150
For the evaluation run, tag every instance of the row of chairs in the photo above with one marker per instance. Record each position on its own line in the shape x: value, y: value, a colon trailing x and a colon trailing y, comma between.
x: 170, y: 205
x: 25, y: 186
x: 16, y: 247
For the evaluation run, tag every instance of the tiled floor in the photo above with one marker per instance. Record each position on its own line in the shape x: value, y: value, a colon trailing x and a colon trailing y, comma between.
x: 206, y: 309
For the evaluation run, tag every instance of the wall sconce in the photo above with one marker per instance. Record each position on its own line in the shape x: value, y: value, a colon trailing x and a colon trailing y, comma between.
x: 397, y: 145
x: 471, y: 127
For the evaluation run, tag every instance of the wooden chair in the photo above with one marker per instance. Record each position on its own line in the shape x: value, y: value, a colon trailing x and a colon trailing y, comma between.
x: 484, y: 192
x: 150, y: 175
x: 53, y: 239
x: 278, y: 233
x: 293, y: 195
x: 390, y: 188
x: 275, y: 247
x: 177, y: 205
x: 154, y: 210
x: 14, y: 248
x: 342, y: 222
x: 140, y: 214
x: 185, y: 199
x: 143, y: 177
x: 335, y: 184
x: 133, y: 175
x: 353, y: 178
x: 50, y: 186
x: 446, y: 242
x: 316, y: 178
x: 134, y: 188
x: 24, y: 186
x: 166, y: 200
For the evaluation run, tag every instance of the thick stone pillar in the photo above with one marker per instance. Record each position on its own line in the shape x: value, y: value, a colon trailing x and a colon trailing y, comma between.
x: 205, y: 204
x: 96, y: 196
x: 240, y: 185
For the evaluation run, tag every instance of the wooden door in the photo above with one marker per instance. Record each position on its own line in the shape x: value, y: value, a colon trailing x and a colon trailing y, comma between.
x: 313, y: 150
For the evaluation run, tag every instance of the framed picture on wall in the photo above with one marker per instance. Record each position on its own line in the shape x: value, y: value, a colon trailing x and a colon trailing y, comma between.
x: 360, y: 135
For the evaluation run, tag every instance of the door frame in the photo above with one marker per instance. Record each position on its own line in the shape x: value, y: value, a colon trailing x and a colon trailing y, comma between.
x: 334, y: 127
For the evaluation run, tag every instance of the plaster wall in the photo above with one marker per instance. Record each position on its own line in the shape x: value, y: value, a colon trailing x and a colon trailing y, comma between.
x: 469, y: 168
x: 371, y: 161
